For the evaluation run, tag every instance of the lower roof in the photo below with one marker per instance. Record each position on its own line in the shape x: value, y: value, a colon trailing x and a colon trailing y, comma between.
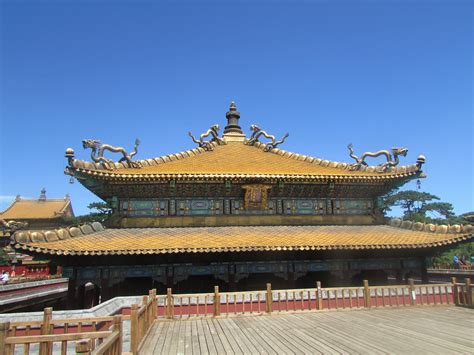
x: 133, y: 241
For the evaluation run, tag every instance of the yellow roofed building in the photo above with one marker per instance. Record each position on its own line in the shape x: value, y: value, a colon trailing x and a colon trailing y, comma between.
x: 41, y: 213
x: 237, y: 210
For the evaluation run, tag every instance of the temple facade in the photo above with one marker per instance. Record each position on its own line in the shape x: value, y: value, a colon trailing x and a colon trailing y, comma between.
x: 238, y: 211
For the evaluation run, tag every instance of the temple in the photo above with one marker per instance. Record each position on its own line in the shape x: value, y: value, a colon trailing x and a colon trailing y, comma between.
x: 238, y: 211
x: 41, y: 213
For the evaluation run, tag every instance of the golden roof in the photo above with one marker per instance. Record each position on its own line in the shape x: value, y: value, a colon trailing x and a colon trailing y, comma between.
x: 237, y: 159
x: 36, y: 209
x: 237, y: 239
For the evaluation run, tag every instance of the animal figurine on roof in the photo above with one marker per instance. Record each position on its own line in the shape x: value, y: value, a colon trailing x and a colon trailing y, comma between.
x: 392, y: 157
x: 98, y: 149
x: 257, y: 132
x: 207, y: 145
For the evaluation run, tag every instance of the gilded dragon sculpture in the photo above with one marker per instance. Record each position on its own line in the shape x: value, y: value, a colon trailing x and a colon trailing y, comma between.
x: 98, y: 149
x: 257, y: 132
x: 207, y: 145
x: 392, y: 157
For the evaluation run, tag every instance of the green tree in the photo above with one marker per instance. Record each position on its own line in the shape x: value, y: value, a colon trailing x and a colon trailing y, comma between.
x: 416, y: 205
x: 4, y: 260
x: 100, y: 212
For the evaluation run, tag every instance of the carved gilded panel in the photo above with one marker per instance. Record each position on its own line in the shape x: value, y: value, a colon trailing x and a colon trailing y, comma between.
x: 256, y: 196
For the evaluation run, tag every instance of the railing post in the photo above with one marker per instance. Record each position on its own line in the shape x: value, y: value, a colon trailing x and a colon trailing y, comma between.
x: 118, y: 326
x: 455, y: 291
x: 134, y: 329
x: 468, y: 296
x: 319, y: 295
x: 366, y: 294
x: 84, y: 347
x: 145, y: 319
x: 45, y: 330
x: 217, y: 302
x: 411, y: 287
x: 269, y: 298
x: 4, y: 329
x: 154, y: 309
x: 169, y: 305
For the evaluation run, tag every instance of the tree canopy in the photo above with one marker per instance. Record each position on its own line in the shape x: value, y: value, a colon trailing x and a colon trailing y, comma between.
x: 419, y: 206
x: 100, y: 211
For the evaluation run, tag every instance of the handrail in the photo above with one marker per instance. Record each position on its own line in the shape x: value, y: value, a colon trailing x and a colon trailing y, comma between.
x: 95, y: 329
x: 32, y: 339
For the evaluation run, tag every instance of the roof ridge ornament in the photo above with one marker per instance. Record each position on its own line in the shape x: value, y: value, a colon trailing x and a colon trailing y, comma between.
x: 391, y: 160
x: 233, y: 117
x: 42, y: 196
x: 208, y: 145
x: 257, y: 132
x: 98, y: 149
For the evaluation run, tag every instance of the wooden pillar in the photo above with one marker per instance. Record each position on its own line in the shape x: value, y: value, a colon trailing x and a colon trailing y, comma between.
x: 291, y: 276
x: 232, y: 284
x: 81, y: 297
x: 71, y: 291
x: 96, y: 295
x: 424, y: 272
x: 169, y: 277
x: 104, y: 286
x: 399, y: 276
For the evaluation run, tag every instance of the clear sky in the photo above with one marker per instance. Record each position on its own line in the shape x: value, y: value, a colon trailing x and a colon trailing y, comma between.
x: 375, y: 73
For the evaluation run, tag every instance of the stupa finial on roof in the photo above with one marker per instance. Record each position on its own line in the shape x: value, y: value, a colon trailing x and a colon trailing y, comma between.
x: 42, y: 195
x: 233, y: 120
x: 233, y: 131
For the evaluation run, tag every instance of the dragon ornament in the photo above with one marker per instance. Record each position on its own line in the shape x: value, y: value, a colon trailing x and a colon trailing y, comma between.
x: 257, y: 132
x: 98, y: 149
x: 207, y: 145
x: 392, y: 157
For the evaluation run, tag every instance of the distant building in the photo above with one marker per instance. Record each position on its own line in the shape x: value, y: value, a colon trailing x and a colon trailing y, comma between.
x: 41, y: 213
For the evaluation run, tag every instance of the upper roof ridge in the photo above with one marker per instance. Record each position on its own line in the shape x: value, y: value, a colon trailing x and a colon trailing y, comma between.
x: 90, y: 166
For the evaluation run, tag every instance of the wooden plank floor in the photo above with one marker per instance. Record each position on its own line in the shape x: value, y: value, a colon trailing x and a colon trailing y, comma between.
x: 434, y: 330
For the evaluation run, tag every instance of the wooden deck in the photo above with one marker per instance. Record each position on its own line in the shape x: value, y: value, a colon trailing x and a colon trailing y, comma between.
x: 441, y: 330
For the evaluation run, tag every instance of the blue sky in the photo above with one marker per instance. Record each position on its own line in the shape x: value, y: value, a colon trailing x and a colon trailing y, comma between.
x: 374, y: 73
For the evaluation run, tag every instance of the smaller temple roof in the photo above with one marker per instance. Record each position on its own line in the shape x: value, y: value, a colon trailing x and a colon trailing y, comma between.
x: 41, y: 208
x: 95, y: 240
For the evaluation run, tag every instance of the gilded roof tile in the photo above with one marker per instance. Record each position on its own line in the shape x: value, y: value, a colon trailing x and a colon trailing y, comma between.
x: 258, y: 238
